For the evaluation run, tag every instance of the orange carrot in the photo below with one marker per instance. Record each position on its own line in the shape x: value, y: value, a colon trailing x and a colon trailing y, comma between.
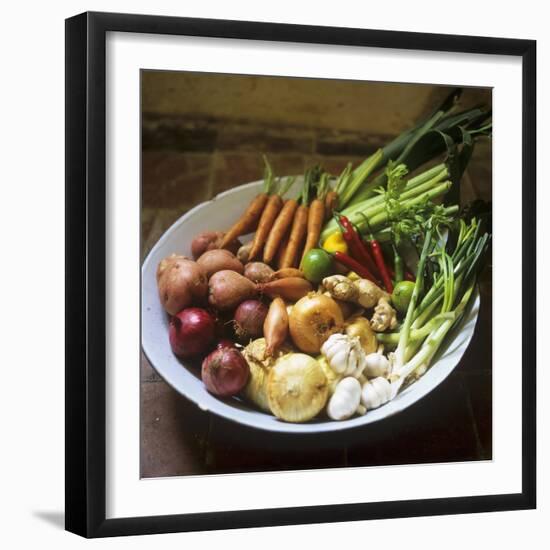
x: 248, y: 221
x: 297, y: 237
x: 315, y: 221
x: 331, y: 203
x: 269, y: 215
x: 280, y: 228
x: 280, y: 252
x: 278, y: 261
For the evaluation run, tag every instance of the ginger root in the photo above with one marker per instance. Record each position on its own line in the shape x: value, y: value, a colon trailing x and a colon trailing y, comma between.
x: 384, y: 317
x: 341, y: 288
x: 369, y: 293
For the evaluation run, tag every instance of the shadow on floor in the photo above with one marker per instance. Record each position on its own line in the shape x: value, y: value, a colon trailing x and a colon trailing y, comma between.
x: 57, y: 519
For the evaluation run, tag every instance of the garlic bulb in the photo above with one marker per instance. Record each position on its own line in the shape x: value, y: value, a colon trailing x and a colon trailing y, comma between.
x: 345, y: 400
x: 376, y: 364
x: 344, y: 354
x: 375, y: 393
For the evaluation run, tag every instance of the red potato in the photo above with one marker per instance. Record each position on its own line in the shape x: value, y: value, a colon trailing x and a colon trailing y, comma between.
x: 227, y: 289
x: 181, y: 283
x: 165, y: 263
x: 213, y: 261
x: 211, y: 240
x: 258, y: 272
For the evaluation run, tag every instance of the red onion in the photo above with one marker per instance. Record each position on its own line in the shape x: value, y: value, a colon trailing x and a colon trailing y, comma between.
x: 249, y: 320
x: 191, y: 332
x: 225, y: 372
x: 225, y: 343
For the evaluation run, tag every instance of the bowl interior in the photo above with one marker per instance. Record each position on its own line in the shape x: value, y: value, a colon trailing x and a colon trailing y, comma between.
x: 220, y: 213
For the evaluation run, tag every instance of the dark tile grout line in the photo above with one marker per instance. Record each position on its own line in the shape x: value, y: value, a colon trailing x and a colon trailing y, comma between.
x: 244, y: 124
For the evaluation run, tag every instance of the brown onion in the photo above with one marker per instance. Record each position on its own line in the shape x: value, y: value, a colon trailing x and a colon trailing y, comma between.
x: 227, y: 289
x: 312, y: 320
x: 225, y: 372
x: 276, y: 326
x: 291, y: 288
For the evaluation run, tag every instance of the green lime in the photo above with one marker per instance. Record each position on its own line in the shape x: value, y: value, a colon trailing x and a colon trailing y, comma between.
x: 401, y: 295
x: 316, y: 265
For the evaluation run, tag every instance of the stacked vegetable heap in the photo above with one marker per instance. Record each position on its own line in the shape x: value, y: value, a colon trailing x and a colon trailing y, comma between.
x: 346, y: 291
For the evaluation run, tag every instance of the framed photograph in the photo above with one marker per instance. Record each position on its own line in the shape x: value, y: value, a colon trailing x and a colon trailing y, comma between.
x: 282, y: 301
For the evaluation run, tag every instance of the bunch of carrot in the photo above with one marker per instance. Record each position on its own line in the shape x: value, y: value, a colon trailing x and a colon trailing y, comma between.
x: 285, y: 230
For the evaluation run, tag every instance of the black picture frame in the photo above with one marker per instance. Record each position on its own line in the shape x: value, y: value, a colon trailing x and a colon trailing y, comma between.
x: 85, y: 273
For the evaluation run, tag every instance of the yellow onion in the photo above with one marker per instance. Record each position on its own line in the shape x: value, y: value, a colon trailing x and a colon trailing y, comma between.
x: 360, y: 327
x: 312, y: 320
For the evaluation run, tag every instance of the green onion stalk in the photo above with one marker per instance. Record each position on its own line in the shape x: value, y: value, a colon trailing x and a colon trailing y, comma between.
x: 430, y: 317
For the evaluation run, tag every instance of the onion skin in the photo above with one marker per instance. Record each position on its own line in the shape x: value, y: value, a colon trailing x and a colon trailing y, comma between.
x: 191, y: 332
x: 249, y: 320
x: 213, y: 261
x: 258, y: 272
x: 290, y: 289
x: 225, y: 372
x: 227, y: 289
x: 312, y: 320
x: 181, y: 283
x: 211, y: 240
x: 276, y: 326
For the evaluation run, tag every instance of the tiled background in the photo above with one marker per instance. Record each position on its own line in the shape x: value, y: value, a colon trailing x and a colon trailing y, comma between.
x: 194, y: 149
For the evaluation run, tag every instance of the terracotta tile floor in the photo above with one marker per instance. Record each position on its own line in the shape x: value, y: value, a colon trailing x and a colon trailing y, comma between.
x: 453, y: 423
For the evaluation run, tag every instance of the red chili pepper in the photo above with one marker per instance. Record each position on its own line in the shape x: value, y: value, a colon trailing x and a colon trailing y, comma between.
x: 354, y: 265
x: 356, y: 246
x: 381, y: 264
x: 379, y: 259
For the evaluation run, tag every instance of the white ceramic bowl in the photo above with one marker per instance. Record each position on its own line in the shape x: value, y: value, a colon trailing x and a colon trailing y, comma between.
x: 220, y: 213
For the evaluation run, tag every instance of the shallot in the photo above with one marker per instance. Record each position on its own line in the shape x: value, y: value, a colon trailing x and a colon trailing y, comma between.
x: 225, y: 372
x: 275, y: 326
x: 248, y: 320
x: 291, y: 288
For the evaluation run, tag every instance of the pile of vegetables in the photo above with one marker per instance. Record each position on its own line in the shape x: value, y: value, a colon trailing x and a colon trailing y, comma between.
x: 342, y: 294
